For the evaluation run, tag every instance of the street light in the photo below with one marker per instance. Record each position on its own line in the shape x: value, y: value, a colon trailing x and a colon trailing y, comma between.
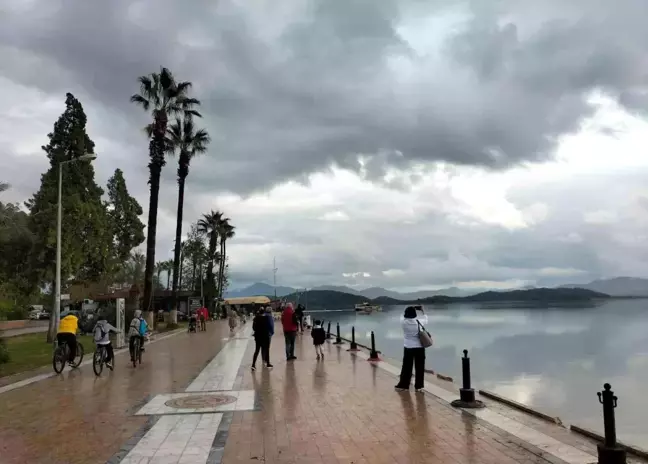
x: 57, y: 287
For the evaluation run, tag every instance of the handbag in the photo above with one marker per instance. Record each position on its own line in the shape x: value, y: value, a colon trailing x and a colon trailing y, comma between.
x: 424, y: 336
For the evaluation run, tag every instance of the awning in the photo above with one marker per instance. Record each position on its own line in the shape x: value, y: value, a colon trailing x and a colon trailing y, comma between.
x: 248, y: 300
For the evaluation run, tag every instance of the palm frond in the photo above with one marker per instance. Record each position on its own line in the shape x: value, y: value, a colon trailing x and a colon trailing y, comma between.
x: 140, y: 100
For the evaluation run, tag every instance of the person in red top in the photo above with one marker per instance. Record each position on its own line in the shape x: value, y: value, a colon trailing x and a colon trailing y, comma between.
x: 289, y: 323
x: 203, y: 314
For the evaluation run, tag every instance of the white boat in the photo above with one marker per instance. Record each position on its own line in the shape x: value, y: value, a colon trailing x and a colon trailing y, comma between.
x: 367, y: 308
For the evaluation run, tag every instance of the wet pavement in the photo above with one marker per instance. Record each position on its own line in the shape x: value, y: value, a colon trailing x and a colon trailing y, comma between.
x: 79, y: 418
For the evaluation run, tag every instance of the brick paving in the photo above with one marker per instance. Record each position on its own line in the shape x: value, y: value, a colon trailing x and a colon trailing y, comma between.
x: 345, y: 410
x: 78, y: 418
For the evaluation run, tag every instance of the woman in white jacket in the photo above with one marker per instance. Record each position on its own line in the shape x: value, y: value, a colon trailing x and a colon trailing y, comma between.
x: 413, y: 352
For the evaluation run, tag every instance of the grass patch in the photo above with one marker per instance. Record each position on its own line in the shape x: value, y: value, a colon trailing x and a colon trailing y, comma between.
x: 30, y: 351
x: 168, y: 326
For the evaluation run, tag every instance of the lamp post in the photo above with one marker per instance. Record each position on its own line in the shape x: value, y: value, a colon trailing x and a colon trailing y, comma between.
x: 59, y: 220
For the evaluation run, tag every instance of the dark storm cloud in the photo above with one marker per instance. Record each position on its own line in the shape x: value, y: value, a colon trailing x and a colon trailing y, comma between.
x: 290, y: 90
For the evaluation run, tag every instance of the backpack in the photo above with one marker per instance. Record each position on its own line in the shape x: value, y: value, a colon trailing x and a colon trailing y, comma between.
x: 99, y: 334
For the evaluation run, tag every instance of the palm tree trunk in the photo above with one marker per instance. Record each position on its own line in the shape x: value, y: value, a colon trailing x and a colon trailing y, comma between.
x: 156, y: 153
x: 168, y: 278
x: 176, y: 251
x: 221, y: 267
x: 224, y: 261
x: 193, y: 274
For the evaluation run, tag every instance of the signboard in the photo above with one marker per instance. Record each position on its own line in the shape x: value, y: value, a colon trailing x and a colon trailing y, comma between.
x: 194, y: 303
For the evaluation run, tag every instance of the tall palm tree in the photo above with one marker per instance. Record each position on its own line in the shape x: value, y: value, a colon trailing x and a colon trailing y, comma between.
x: 225, y: 232
x: 209, y: 226
x: 159, y: 268
x: 164, y: 97
x: 168, y: 267
x: 183, y: 138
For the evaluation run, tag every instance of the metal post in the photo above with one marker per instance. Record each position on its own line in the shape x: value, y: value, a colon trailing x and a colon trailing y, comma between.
x: 354, y: 345
x: 120, y: 315
x: 338, y: 338
x: 57, y: 284
x: 467, y: 393
x: 373, y: 355
x: 609, y: 451
x: 328, y: 330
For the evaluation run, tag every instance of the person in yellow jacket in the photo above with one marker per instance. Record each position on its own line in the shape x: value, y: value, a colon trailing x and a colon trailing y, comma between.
x: 67, y: 330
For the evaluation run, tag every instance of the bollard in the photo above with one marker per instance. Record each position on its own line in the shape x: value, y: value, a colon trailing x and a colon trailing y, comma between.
x: 354, y: 345
x: 328, y: 331
x: 338, y: 338
x: 373, y: 355
x: 609, y: 452
x: 466, y: 393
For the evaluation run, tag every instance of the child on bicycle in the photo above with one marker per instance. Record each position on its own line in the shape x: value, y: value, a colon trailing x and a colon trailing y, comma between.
x: 102, y: 337
x: 137, y: 328
x: 67, y: 330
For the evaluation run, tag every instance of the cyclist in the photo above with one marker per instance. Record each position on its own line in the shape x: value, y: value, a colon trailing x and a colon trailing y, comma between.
x: 137, y: 328
x: 67, y: 330
x: 102, y: 337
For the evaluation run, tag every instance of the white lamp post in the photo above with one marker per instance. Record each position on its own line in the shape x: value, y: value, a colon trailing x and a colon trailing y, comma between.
x: 59, y: 219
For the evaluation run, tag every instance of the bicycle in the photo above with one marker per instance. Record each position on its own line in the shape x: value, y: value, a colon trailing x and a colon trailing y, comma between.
x: 99, y: 360
x: 62, y: 355
x: 136, y: 352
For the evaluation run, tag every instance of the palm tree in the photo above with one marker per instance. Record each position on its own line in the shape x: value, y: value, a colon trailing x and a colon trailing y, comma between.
x: 183, y: 138
x: 209, y: 226
x: 159, y: 268
x: 226, y: 232
x: 165, y: 97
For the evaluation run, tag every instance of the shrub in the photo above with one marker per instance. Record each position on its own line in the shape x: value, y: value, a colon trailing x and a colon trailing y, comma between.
x: 4, y: 351
x: 172, y: 326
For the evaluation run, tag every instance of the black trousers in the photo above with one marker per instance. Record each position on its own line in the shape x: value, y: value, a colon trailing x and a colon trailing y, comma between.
x: 412, y: 358
x: 110, y: 353
x: 263, y: 345
x: 71, y: 341
x: 131, y: 342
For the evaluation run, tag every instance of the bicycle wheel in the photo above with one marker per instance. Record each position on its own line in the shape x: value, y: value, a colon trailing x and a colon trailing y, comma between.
x: 134, y: 351
x: 79, y: 356
x: 98, y: 359
x: 59, y: 359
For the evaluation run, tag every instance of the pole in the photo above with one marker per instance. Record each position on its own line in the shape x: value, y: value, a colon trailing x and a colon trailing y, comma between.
x: 338, y: 338
x: 373, y: 355
x: 354, y: 345
x: 328, y: 330
x: 609, y: 452
x: 57, y: 284
x: 466, y: 393
x: 202, y: 298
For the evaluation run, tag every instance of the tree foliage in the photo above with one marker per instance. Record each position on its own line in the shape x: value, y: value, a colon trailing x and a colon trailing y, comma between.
x: 124, y: 212
x: 86, y: 238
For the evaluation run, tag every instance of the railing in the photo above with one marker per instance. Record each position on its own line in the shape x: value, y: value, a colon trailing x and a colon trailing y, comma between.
x: 610, y: 450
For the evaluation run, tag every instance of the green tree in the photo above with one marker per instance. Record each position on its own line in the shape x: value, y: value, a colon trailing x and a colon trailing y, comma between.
x: 132, y: 270
x: 195, y: 255
x: 184, y: 139
x: 164, y: 97
x: 124, y: 212
x: 209, y: 226
x: 225, y: 232
x: 86, y: 243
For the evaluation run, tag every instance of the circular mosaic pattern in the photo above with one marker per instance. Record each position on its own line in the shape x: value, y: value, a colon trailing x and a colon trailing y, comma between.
x: 200, y: 401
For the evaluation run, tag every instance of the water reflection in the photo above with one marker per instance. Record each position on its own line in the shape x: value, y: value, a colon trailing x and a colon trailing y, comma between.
x: 551, y: 357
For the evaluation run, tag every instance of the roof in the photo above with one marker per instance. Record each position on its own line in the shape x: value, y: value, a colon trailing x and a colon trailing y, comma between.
x: 246, y: 300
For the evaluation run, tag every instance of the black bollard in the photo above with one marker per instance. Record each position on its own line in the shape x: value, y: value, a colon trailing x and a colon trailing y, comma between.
x: 338, y: 338
x: 466, y: 393
x: 328, y: 331
x: 609, y: 452
x: 373, y: 355
x: 354, y: 345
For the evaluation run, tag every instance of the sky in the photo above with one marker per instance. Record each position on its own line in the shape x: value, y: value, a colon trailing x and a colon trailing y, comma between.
x: 405, y: 144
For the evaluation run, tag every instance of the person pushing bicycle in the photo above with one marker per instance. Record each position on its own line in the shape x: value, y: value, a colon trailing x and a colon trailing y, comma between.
x: 101, y: 332
x: 137, y: 328
x: 67, y: 330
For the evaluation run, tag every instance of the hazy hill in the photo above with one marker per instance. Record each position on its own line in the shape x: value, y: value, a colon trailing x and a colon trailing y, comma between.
x: 259, y: 289
x: 618, y: 286
x: 327, y: 299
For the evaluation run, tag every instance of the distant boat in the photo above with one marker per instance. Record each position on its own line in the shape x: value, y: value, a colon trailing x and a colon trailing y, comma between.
x: 367, y: 308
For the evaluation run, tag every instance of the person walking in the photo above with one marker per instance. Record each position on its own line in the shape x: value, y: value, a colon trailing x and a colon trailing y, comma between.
x: 232, y: 319
x: 289, y: 324
x: 413, y: 351
x: 261, y: 328
x: 268, y: 314
x: 299, y: 313
x: 319, y: 336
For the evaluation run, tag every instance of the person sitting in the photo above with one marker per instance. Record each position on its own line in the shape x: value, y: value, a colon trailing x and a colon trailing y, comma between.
x: 137, y: 330
x: 67, y: 330
x: 102, y: 331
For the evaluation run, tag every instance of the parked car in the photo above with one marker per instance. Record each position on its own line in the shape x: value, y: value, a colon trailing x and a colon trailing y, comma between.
x: 39, y: 315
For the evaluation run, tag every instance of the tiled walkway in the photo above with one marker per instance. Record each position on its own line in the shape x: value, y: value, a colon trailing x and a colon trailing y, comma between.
x: 345, y: 410
x: 79, y: 418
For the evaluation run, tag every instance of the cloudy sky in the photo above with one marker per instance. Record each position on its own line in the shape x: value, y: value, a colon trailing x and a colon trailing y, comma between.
x: 403, y: 143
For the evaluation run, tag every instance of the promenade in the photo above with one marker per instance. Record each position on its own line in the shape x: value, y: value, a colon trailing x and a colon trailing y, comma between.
x: 195, y: 400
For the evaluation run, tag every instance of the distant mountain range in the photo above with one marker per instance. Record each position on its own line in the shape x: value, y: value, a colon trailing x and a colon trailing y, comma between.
x: 331, y: 299
x: 368, y: 293
x: 618, y: 287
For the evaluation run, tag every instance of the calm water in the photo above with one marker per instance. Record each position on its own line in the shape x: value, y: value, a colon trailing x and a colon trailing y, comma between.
x: 555, y: 359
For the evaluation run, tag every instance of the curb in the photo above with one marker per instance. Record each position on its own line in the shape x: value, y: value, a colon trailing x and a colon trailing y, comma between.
x: 521, y: 407
x: 631, y: 449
